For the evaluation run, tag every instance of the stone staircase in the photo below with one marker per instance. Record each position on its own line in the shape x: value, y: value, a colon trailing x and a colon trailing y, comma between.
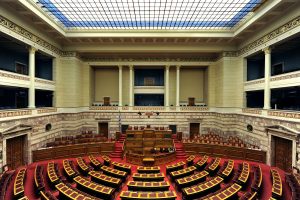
x: 118, y: 150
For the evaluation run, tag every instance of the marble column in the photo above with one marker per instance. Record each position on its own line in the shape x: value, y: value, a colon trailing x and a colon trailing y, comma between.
x: 31, y: 91
x: 167, y: 86
x: 120, y: 85
x: 267, y: 90
x: 177, y: 85
x: 131, y: 85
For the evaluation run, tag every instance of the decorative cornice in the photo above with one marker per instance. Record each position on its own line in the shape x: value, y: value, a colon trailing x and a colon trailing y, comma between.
x: 254, y: 82
x: 274, y: 34
x: 197, y: 59
x: 15, y: 113
x: 283, y: 114
x: 44, y: 81
x: 24, y: 33
x: 46, y: 110
x: 14, y: 76
x: 285, y: 76
x: 252, y: 111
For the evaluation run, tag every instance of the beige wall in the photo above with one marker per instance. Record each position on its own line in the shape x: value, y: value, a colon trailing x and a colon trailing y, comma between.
x: 71, y: 80
x: 172, y: 86
x: 191, y: 84
x: 107, y: 84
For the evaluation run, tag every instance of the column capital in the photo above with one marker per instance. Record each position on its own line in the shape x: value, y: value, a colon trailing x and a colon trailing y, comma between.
x: 167, y: 67
x: 267, y: 50
x: 178, y: 66
x: 120, y: 66
x: 32, y: 49
x: 130, y: 67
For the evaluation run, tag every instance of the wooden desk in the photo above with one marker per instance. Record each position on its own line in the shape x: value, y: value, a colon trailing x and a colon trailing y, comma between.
x: 69, y: 170
x: 148, y: 177
x: 190, y: 160
x: 114, y: 172
x: 202, y: 163
x: 228, y: 169
x: 148, y: 186
x: 203, y: 188
x: 128, y: 195
x: 244, y: 176
x: 213, y: 167
x: 82, y: 165
x: 107, y: 160
x: 174, y: 167
x: 191, y: 180
x: 159, y: 159
x: 51, y: 171
x: 103, y: 179
x: 148, y: 170
x: 122, y: 167
x: 66, y: 192
x: 95, y: 163
x: 276, y: 184
x: 227, y: 193
x: 19, y: 183
x: 182, y: 172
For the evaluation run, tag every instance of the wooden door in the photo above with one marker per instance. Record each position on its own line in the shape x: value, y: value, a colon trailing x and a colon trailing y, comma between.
x: 191, y: 101
x: 103, y: 129
x: 283, y: 153
x: 173, y: 128
x: 15, y: 152
x: 194, y: 129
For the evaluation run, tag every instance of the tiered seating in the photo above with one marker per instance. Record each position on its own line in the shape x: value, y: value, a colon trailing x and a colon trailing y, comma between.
x: 183, y: 172
x: 128, y: 195
x: 94, y: 188
x: 122, y: 167
x: 52, y: 170
x: 202, y: 163
x: 105, y: 180
x: 244, y: 174
x: 202, y: 188
x: 226, y: 169
x: 114, y: 172
x: 38, y: 178
x: 191, y: 180
x: 276, y: 184
x: 4, y: 182
x: 106, y: 160
x: 47, y: 195
x: 94, y: 162
x: 69, y: 169
x: 67, y: 192
x: 190, y: 160
x: 213, y: 167
x: 174, y: 167
x: 83, y: 166
x: 250, y: 195
x: 142, y: 169
x: 257, y: 181
x: 148, y: 186
x: 19, y: 183
x: 293, y: 181
x: 148, y: 177
x: 226, y: 193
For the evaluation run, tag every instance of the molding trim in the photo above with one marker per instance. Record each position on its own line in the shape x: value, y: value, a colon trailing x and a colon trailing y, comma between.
x: 196, y: 59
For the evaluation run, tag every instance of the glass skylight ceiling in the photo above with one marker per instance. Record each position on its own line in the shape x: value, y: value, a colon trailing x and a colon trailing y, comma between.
x: 148, y: 14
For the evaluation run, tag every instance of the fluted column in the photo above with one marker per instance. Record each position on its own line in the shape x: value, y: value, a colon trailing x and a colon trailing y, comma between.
x: 120, y: 85
x: 177, y: 85
x: 267, y: 91
x: 31, y: 91
x: 167, y: 86
x: 131, y: 85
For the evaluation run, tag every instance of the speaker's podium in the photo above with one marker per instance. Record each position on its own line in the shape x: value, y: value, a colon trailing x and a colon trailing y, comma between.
x: 148, y: 146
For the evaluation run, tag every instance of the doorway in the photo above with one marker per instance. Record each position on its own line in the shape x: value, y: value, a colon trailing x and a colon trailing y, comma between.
x: 16, y: 151
x: 173, y: 128
x: 194, y: 130
x: 124, y: 127
x: 282, y: 153
x: 103, y: 129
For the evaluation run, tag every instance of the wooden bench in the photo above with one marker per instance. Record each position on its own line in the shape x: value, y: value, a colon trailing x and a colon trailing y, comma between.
x: 183, y: 172
x: 67, y: 192
x: 191, y: 180
x: 114, y: 172
x: 213, y: 167
x: 128, y: 195
x: 39, y: 178
x: 227, y: 169
x: 96, y: 189
x: 202, y: 189
x: 148, y: 177
x: 5, y: 179
x: 105, y: 180
x: 174, y: 167
x: 148, y: 186
x: 148, y: 170
x: 257, y: 180
x: 106, y: 160
x: 202, y: 163
x: 122, y: 167
x: 47, y: 196
x: 69, y: 169
x: 276, y: 184
x: 94, y: 162
x: 227, y: 193
x: 19, y: 183
x: 82, y: 165
x: 244, y: 175
x: 190, y: 160
x: 52, y: 173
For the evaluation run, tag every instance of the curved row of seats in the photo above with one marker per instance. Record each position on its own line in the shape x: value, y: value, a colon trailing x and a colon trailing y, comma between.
x: 5, y: 179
